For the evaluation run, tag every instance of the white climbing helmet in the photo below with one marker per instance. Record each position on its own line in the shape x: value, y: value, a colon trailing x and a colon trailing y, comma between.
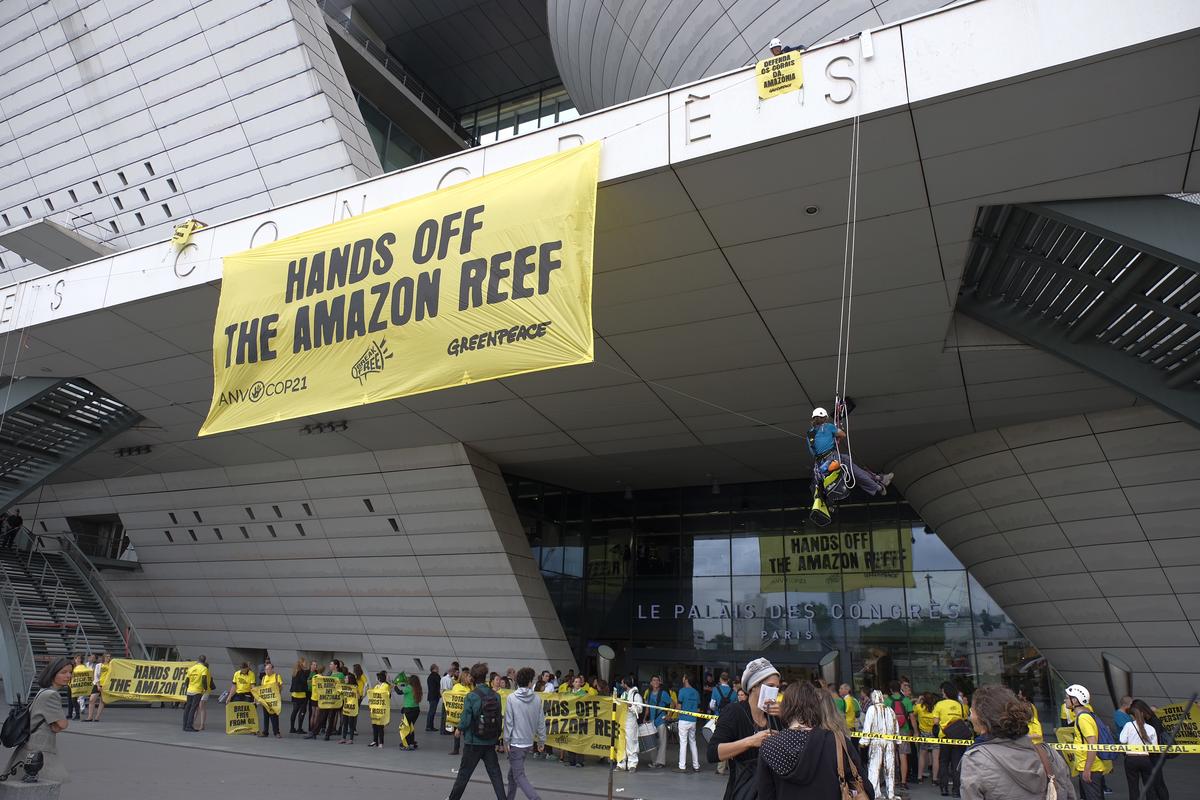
x: 1080, y: 693
x: 820, y: 412
x: 775, y: 43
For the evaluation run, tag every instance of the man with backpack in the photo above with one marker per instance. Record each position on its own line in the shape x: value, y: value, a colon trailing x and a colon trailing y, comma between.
x: 722, y: 695
x: 481, y: 723
x: 902, y: 706
x: 1089, y: 765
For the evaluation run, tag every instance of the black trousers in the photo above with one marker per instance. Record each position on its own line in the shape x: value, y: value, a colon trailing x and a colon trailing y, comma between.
x: 949, y: 758
x: 377, y: 734
x: 270, y: 721
x: 431, y: 718
x: 472, y: 754
x: 299, y: 710
x: 349, y: 727
x: 411, y: 715
x: 189, y: 710
x: 1137, y: 773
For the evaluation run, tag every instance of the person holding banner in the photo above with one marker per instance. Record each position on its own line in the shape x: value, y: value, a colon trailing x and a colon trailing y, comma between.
x: 99, y: 676
x: 379, y: 700
x: 243, y: 681
x: 198, y: 682
x: 79, y: 687
x: 350, y: 701
x: 461, y: 688
x: 271, y: 680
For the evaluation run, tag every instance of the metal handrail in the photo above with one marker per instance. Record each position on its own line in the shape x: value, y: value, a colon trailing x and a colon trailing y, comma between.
x: 69, y: 613
x: 16, y: 632
x: 396, y: 68
x: 87, y: 571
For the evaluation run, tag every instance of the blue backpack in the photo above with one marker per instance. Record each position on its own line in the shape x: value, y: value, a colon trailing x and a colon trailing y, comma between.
x: 1104, y: 735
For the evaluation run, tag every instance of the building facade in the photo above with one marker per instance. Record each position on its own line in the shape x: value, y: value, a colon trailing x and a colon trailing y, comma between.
x: 654, y: 500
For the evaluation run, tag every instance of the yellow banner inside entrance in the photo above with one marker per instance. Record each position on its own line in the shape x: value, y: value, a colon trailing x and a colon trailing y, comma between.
x: 482, y: 280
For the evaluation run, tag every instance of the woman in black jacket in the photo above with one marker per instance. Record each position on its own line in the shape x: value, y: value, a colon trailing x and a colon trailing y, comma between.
x: 801, y: 762
x: 299, y: 692
x: 742, y: 728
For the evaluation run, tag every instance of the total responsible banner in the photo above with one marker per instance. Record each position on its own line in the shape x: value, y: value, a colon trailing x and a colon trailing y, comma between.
x: 146, y: 681
x: 379, y: 701
x: 268, y: 697
x: 482, y: 280
x: 1188, y: 731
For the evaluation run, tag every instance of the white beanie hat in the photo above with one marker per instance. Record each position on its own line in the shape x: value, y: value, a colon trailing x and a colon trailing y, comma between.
x: 756, y: 672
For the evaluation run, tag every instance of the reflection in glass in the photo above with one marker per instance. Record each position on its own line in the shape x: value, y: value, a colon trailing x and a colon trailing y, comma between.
x: 691, y: 580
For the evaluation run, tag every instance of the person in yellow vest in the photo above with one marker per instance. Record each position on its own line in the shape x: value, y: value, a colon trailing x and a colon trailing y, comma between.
x: 848, y: 705
x: 461, y: 687
x: 927, y: 728
x: 1035, y: 725
x: 79, y: 670
x: 271, y: 678
x: 243, y: 681
x: 951, y: 713
x: 100, y: 675
x: 1086, y: 764
x: 198, y: 683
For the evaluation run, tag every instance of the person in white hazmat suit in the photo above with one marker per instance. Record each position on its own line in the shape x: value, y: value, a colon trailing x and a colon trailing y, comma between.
x: 880, y: 718
x: 633, y: 702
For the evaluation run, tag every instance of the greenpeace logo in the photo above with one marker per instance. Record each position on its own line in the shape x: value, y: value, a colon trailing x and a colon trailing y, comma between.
x: 483, y: 339
x: 262, y: 389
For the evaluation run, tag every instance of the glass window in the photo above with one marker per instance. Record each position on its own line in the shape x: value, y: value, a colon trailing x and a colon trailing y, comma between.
x: 710, y: 555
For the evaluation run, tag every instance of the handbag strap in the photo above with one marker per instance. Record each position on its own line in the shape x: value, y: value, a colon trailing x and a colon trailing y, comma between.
x: 1041, y: 754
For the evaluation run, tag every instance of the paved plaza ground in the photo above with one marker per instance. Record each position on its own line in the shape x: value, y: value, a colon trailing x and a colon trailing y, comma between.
x: 142, y: 752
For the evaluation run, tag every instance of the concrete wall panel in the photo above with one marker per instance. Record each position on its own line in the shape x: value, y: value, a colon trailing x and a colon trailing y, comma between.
x: 1110, y: 539
x: 317, y: 569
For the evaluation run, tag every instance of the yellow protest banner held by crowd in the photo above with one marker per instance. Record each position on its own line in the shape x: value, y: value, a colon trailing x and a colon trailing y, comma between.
x: 1189, y: 729
x: 453, y: 703
x: 268, y: 697
x: 82, y: 679
x: 850, y: 559
x: 327, y: 692
x: 779, y: 75
x: 584, y: 725
x: 379, y: 701
x: 146, y: 681
x: 240, y: 718
x: 484, y: 279
x: 350, y: 700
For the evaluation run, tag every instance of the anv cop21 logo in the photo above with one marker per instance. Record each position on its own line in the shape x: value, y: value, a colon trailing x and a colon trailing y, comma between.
x: 263, y: 389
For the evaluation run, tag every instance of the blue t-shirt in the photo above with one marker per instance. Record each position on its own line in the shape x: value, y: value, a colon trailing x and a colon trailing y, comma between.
x: 689, y: 700
x: 1120, y: 718
x: 660, y: 698
x: 822, y: 437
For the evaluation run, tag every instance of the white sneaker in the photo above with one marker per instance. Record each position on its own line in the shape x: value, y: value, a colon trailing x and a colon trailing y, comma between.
x: 885, y: 480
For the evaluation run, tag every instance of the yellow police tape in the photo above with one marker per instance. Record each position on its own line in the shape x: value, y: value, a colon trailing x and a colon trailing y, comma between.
x: 892, y: 737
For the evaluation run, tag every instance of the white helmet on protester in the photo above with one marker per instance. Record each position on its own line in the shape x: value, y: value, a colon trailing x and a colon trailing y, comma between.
x: 1080, y: 693
x: 820, y: 412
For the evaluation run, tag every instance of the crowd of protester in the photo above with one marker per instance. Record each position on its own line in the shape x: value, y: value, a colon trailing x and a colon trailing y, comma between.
x: 771, y: 739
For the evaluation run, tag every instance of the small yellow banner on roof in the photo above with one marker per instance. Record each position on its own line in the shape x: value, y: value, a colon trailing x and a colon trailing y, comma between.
x: 482, y: 280
x: 779, y: 75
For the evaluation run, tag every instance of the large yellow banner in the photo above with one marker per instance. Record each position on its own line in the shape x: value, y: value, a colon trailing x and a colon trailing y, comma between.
x: 379, y: 700
x: 1189, y: 728
x: 578, y: 724
x: 482, y: 280
x: 836, y: 561
x: 146, y: 681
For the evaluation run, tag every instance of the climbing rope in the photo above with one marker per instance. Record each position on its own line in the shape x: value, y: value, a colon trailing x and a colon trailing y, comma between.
x: 845, y: 314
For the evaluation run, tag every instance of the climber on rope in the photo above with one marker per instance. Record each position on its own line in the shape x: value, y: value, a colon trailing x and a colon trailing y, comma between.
x: 823, y: 439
